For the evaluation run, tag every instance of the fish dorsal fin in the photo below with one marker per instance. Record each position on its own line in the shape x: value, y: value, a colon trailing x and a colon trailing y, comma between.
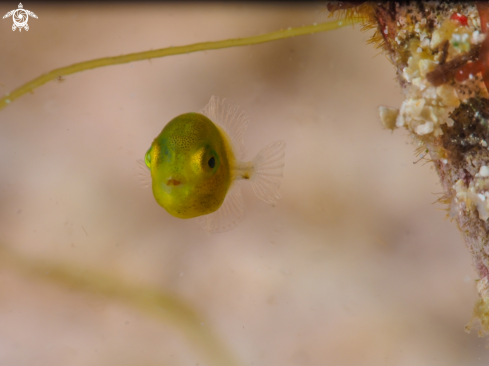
x: 268, y: 167
x: 231, y: 119
x: 226, y: 217
x: 144, y: 174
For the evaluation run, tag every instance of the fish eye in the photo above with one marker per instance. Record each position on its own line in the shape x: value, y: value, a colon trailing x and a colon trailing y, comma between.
x: 147, y: 158
x: 210, y: 160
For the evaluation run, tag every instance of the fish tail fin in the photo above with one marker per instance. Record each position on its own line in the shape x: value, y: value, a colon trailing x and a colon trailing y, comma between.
x: 267, y: 175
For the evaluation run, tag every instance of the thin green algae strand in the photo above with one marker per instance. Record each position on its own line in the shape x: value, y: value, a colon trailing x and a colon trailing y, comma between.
x: 169, y: 51
x: 164, y: 306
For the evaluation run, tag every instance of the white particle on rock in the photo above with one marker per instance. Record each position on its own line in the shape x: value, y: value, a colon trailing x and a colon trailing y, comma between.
x: 484, y: 171
x: 483, y: 288
x: 399, y: 120
x: 425, y: 128
x: 477, y: 37
x: 413, y: 107
x: 436, y: 39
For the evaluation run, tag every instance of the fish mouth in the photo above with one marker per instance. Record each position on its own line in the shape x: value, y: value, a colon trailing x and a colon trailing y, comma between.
x: 173, y: 182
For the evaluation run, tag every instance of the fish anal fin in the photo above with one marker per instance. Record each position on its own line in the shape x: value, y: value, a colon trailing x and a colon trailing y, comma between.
x: 226, y: 217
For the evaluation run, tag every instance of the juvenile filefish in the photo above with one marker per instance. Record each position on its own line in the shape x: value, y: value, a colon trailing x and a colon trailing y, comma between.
x: 196, y: 166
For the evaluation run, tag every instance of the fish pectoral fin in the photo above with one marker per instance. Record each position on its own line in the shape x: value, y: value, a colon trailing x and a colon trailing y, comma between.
x: 226, y: 217
x: 268, y: 167
x: 144, y: 174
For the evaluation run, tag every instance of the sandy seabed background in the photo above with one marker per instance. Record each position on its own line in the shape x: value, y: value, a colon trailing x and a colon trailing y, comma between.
x: 354, y: 266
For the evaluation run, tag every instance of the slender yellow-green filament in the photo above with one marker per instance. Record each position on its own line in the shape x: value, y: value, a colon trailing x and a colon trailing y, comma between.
x: 161, y: 305
x: 204, y: 46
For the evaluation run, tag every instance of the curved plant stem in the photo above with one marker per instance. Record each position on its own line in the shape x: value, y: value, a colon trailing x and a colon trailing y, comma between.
x: 164, y: 306
x: 204, y: 46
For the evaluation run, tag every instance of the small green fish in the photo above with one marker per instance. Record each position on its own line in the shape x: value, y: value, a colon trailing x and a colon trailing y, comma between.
x: 196, y: 165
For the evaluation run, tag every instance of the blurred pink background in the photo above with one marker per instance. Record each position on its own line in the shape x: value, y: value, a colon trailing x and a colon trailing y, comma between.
x: 354, y: 266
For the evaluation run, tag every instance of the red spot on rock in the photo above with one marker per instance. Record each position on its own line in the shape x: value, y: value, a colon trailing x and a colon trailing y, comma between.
x: 459, y: 18
x: 483, y: 9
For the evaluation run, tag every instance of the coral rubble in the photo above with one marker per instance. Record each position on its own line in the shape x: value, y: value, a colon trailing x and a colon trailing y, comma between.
x: 441, y: 55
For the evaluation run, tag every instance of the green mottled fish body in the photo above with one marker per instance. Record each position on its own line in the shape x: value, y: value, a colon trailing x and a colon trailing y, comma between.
x: 191, y: 162
x: 195, y: 167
